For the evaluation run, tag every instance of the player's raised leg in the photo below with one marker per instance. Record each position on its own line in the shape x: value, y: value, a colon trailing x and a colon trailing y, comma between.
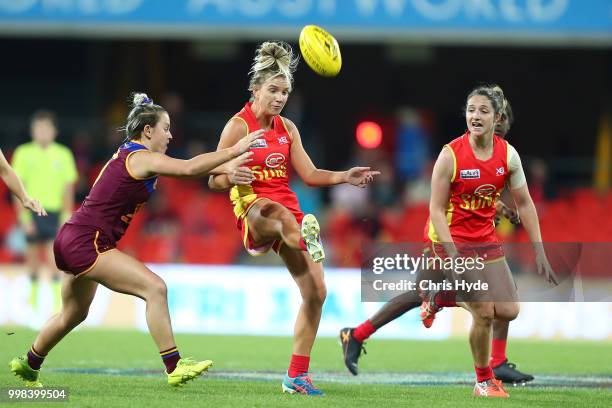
x: 270, y: 221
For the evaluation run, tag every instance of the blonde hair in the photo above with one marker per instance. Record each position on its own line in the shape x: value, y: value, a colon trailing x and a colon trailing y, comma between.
x: 273, y: 58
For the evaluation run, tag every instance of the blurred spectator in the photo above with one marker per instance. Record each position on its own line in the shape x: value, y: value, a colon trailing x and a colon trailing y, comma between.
x: 173, y: 103
x: 412, y: 153
x: 418, y: 190
x: 538, y: 172
x: 81, y: 148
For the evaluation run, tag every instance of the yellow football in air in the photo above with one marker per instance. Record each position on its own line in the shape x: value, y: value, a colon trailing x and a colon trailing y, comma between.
x: 320, y: 51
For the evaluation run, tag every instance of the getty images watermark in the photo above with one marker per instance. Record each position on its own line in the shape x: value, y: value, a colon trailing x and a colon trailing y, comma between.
x: 404, y: 263
x: 488, y: 272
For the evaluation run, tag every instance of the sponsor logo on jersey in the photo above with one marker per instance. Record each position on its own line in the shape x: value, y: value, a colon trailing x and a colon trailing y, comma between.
x: 485, y: 190
x: 259, y: 144
x: 469, y: 174
x: 499, y: 171
x: 283, y: 140
x: 274, y: 160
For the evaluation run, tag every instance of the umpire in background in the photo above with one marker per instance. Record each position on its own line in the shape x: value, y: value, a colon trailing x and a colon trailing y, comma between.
x: 49, y: 173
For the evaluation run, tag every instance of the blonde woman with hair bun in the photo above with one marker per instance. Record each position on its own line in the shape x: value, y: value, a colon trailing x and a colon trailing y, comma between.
x: 267, y: 211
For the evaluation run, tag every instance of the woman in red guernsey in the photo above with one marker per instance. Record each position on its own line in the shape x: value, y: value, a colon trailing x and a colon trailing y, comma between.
x: 267, y: 211
x: 468, y: 177
x: 85, y: 245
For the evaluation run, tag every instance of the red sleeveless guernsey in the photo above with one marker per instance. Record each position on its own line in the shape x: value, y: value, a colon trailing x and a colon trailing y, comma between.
x: 475, y: 187
x: 270, y: 165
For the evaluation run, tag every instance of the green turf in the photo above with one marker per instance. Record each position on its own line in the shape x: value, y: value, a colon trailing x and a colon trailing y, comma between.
x: 129, y: 349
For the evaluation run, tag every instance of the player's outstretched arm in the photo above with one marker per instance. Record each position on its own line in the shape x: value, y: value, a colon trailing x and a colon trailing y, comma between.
x: 147, y: 164
x: 312, y: 176
x: 16, y: 186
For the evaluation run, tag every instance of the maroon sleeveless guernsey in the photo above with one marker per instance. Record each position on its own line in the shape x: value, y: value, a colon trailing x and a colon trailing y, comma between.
x: 116, y: 195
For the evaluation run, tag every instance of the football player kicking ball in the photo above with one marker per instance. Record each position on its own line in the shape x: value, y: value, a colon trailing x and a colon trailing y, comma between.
x: 267, y: 211
x: 352, y: 338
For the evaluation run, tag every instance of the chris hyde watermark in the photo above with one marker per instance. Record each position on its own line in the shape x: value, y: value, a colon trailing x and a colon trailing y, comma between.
x: 405, y: 285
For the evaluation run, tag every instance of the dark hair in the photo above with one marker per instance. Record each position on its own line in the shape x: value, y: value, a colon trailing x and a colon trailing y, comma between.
x: 44, y: 114
x: 495, y: 95
x: 144, y: 112
x: 509, y: 113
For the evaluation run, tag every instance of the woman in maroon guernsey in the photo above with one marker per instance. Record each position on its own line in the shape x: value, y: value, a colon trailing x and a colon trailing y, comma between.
x: 85, y: 245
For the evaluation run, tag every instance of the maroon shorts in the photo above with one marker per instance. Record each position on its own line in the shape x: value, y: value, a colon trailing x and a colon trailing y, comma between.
x: 77, y: 248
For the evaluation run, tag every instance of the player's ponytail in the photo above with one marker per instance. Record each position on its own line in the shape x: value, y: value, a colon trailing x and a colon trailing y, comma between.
x: 144, y: 112
x: 272, y: 58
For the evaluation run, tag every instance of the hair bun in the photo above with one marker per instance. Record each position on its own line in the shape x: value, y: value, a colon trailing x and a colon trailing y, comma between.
x: 141, y: 99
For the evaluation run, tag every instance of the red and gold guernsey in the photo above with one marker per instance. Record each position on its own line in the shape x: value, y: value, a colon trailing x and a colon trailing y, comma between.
x: 271, y: 164
x: 475, y: 187
x: 116, y: 195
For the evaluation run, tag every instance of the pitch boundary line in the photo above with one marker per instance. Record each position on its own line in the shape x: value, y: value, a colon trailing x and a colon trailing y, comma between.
x: 373, y: 378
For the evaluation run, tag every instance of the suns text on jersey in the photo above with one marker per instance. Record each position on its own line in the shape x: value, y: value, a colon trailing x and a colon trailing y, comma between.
x: 263, y: 173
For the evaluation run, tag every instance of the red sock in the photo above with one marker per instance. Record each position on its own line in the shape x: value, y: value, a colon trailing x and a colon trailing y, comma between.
x: 446, y: 298
x: 498, y: 354
x: 484, y: 373
x: 363, y: 331
x: 298, y: 365
x: 303, y: 244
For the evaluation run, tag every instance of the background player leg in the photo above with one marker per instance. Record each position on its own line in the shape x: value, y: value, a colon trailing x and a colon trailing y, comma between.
x: 352, y: 338
x: 33, y: 265
x: 54, y: 273
x: 309, y: 277
x: 502, y: 368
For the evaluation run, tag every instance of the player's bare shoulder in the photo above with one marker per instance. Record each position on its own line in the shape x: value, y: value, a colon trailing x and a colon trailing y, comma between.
x: 235, y: 129
x: 292, y: 130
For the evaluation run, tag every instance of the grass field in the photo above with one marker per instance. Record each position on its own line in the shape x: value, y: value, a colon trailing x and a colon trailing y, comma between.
x: 121, y: 368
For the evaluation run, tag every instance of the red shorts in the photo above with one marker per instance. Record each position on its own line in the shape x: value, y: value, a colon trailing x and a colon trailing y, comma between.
x: 249, y: 244
x: 77, y: 248
x: 489, y: 252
